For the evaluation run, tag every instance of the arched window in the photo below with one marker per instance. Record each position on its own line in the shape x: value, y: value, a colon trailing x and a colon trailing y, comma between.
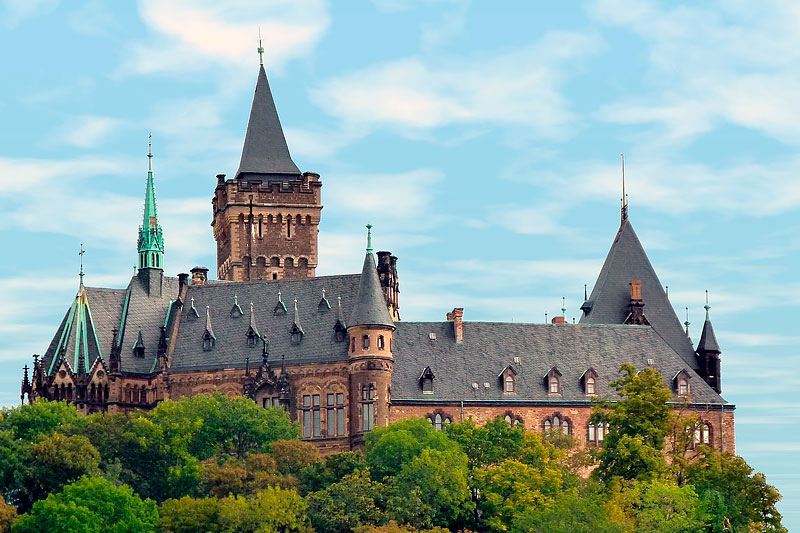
x: 447, y: 421
x: 381, y: 342
x: 509, y: 383
x: 437, y: 422
x: 508, y: 419
x: 365, y: 342
x: 590, y: 385
x: 547, y: 426
x: 557, y: 423
x: 274, y: 261
x: 288, y: 262
x: 353, y: 344
x: 705, y: 434
x: 554, y: 385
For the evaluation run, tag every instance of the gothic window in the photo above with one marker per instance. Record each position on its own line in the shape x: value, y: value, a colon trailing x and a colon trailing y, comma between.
x: 367, y: 406
x: 353, y: 344
x: 591, y: 384
x: 270, y: 401
x: 554, y: 385
x: 597, y: 433
x: 437, y: 422
x: 509, y: 383
x: 208, y: 342
x: 297, y: 335
x: 312, y: 425
x: 252, y: 338
x: 553, y: 381
x: 381, y: 342
x: 557, y: 423
x: 702, y: 434
x: 365, y: 341
x: 426, y: 380
x: 508, y: 419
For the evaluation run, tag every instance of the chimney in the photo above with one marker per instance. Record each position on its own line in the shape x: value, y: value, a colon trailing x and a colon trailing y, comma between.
x: 199, y: 275
x: 456, y: 316
x: 636, y: 290
x: 387, y: 273
x: 558, y: 320
x: 183, y: 284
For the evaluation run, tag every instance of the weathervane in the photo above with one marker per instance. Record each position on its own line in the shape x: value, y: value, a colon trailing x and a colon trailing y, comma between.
x: 81, y: 254
x: 624, y: 196
x: 260, y: 49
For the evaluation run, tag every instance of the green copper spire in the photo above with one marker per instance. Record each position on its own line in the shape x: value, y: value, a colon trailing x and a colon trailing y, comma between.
x: 151, y: 240
x: 369, y: 238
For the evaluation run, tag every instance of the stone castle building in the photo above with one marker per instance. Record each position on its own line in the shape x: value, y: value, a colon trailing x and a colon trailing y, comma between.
x: 332, y: 350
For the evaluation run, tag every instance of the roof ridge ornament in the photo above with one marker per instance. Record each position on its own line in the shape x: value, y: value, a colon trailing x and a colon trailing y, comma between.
x: 324, y: 304
x: 369, y: 238
x: 707, y: 307
x: 260, y: 49
x: 80, y: 274
x: 280, y: 307
x: 624, y: 201
x: 687, y: 323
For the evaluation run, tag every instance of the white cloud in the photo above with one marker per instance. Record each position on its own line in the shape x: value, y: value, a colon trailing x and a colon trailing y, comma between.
x: 86, y: 131
x: 14, y: 12
x: 192, y: 34
x: 417, y: 93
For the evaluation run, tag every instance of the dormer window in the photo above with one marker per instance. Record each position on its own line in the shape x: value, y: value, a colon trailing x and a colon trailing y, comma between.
x: 426, y: 380
x: 682, y: 383
x: 553, y: 381
x: 138, y: 347
x: 297, y: 334
x: 208, y: 341
x: 339, y: 333
x: 589, y: 379
x: 252, y: 338
x: 508, y: 380
x: 381, y: 342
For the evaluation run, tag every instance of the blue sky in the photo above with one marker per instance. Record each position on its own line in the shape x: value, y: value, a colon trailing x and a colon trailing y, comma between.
x: 482, y: 144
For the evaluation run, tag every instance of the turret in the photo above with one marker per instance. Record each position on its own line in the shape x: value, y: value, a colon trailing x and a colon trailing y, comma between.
x: 370, y: 353
x: 151, y: 240
x: 708, y: 353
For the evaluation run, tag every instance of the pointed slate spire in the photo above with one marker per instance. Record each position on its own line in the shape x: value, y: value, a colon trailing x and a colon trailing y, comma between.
x: 370, y: 308
x: 151, y: 240
x: 236, y: 310
x: 611, y: 295
x: 280, y: 307
x: 324, y: 304
x: 265, y: 153
x: 138, y: 346
x: 708, y: 341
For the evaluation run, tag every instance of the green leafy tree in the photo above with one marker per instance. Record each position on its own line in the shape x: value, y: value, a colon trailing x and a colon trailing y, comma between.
x: 346, y: 504
x: 41, y: 417
x: 638, y: 424
x: 510, y: 487
x: 52, y: 462
x: 391, y: 447
x: 661, y: 506
x: 292, y: 456
x: 334, y: 467
x: 571, y: 512
x: 393, y: 527
x: 273, y: 509
x: 735, y: 498
x: 190, y: 515
x: 11, y: 461
x: 432, y: 490
x: 489, y: 444
x: 7, y: 516
x: 209, y: 425
x: 242, y: 477
x: 90, y: 505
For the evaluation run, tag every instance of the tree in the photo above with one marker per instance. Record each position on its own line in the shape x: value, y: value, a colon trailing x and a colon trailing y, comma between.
x: 190, y: 515
x: 7, y: 516
x: 510, y: 487
x: 51, y: 463
x: 10, y: 461
x: 321, y: 474
x: 661, y: 506
x: 292, y: 456
x: 273, y: 509
x: 241, y: 477
x: 391, y: 447
x: 489, y: 444
x: 637, y: 426
x: 735, y: 498
x: 392, y: 527
x: 208, y: 425
x: 432, y: 490
x: 41, y: 417
x: 570, y: 512
x: 346, y: 504
x: 90, y: 505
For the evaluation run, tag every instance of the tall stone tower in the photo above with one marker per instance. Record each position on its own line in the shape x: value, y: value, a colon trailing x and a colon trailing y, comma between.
x: 370, y: 353
x: 266, y: 219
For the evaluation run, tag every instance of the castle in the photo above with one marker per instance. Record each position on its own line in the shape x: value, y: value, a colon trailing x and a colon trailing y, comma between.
x: 332, y: 350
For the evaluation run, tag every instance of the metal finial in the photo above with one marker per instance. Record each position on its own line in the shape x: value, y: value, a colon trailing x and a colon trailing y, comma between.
x: 260, y: 49
x: 624, y: 211
x: 235, y: 299
x: 564, y: 306
x: 687, y: 323
x: 666, y: 290
x: 585, y: 292
x: 545, y: 318
x: 323, y: 293
x: 81, y: 254
x: 149, y: 151
x: 706, y: 307
x: 369, y: 238
x: 295, y: 304
x: 279, y: 296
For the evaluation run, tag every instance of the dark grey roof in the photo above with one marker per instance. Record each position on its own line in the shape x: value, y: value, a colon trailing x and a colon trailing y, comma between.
x: 370, y: 308
x: 145, y: 312
x: 608, y: 303
x: 230, y: 350
x: 708, y: 341
x: 265, y: 153
x: 488, y: 347
x: 106, y: 308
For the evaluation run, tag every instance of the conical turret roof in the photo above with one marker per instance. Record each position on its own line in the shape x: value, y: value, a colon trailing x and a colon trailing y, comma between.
x: 708, y: 341
x: 265, y: 153
x: 610, y: 298
x: 370, y: 308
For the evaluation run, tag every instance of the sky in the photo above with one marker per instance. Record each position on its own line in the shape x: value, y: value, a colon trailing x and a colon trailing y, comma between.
x: 483, y: 144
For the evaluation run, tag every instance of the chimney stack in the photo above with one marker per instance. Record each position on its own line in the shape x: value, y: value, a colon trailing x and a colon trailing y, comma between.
x: 183, y: 284
x: 558, y: 320
x: 199, y: 275
x: 456, y: 316
x: 636, y: 290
